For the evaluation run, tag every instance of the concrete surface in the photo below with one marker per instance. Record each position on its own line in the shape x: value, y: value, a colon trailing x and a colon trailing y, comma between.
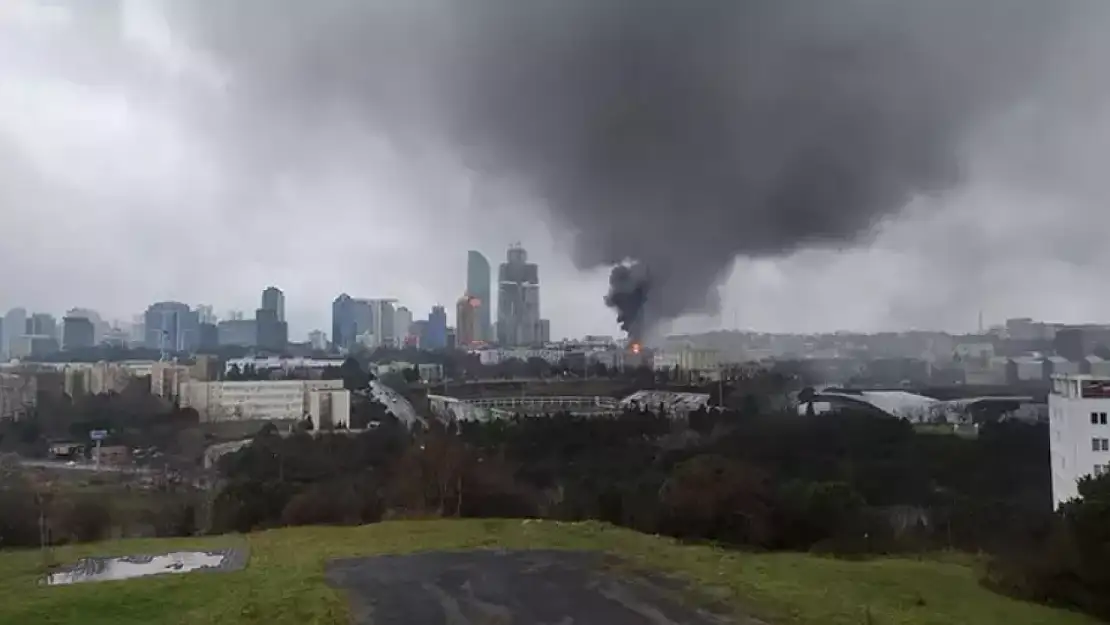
x: 513, y: 588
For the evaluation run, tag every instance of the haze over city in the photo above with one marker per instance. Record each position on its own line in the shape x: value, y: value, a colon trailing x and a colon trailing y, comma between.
x: 554, y: 311
x: 145, y: 157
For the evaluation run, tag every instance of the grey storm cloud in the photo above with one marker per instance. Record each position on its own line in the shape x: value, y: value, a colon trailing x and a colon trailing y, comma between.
x: 669, y: 137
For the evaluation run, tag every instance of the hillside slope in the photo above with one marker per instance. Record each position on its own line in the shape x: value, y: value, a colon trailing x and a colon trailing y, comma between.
x: 284, y: 581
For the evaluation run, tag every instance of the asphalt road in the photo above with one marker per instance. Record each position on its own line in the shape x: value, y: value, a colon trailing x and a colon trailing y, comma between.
x: 83, y: 466
x: 511, y: 588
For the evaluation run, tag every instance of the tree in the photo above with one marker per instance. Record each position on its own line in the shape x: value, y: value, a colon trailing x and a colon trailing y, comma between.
x: 411, y: 375
x: 233, y: 373
x: 354, y: 377
x: 712, y: 496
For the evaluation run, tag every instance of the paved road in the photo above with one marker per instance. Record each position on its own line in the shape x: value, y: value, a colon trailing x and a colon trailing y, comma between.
x: 84, y: 466
x: 510, y: 588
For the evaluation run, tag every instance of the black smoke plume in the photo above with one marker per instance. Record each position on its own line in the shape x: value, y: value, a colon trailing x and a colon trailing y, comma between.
x: 629, y: 285
x: 682, y: 134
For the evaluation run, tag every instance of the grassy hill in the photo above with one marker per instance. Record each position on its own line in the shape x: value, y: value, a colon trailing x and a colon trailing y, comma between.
x: 284, y: 580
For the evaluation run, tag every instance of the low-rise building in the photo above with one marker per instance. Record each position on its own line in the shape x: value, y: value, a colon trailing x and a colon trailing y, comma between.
x: 17, y: 396
x: 1027, y: 369
x: 167, y: 379
x: 688, y: 360
x: 275, y: 363
x: 493, y: 357
x: 994, y: 371
x: 1079, y: 431
x: 270, y: 400
x: 329, y: 409
x: 429, y: 372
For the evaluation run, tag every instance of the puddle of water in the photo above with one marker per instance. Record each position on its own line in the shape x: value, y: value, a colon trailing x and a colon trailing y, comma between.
x: 127, y: 567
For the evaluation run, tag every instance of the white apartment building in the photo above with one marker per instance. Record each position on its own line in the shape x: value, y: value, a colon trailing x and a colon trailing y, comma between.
x: 1079, y: 431
x: 270, y: 400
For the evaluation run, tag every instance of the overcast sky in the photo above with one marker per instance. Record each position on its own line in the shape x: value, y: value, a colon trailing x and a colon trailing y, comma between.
x: 124, y: 180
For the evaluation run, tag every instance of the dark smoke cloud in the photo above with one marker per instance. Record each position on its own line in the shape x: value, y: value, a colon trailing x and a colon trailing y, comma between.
x: 628, y: 290
x: 679, y: 134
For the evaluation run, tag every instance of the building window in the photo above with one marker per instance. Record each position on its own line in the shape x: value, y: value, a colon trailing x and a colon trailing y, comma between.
x: 1100, y: 444
x: 1094, y: 418
x: 1102, y: 418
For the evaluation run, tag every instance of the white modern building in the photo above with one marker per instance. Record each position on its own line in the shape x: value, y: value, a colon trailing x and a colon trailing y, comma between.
x: 1079, y: 431
x: 269, y: 400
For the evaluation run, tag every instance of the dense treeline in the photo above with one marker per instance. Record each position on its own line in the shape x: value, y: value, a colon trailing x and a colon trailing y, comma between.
x: 844, y: 484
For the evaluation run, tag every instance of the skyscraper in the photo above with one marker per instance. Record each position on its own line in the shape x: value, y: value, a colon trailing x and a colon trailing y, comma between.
x: 402, y: 325
x: 478, y: 286
x: 435, y: 337
x: 78, y: 333
x: 382, y: 321
x: 42, y: 324
x: 466, y: 320
x: 15, y: 325
x: 274, y: 300
x: 273, y: 333
x: 518, y: 300
x: 344, y: 329
x: 172, y: 327
x: 350, y: 318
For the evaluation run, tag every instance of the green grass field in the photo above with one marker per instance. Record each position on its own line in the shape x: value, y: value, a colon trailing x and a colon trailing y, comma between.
x: 284, y: 580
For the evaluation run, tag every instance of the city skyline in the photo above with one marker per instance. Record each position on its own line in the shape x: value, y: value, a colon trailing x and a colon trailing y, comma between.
x: 121, y: 187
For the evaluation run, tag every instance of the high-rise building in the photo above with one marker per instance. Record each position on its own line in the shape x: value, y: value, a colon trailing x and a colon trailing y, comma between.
x: 100, y: 326
x: 136, y: 331
x: 208, y: 337
x: 518, y: 300
x: 42, y: 324
x: 237, y: 333
x: 15, y: 326
x: 273, y: 334
x: 318, y: 340
x: 435, y: 337
x: 382, y: 322
x: 418, y: 332
x: 78, y: 333
x: 350, y: 318
x: 171, y: 327
x: 274, y: 300
x: 478, y: 286
x: 402, y: 325
x: 545, y: 331
x: 206, y: 314
x: 467, y: 321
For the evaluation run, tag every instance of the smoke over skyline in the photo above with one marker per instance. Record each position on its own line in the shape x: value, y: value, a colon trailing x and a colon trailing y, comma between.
x: 678, y: 135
